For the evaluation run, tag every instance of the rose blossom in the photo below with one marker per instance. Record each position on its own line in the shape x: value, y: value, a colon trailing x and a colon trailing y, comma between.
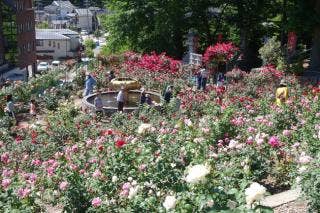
x: 5, y: 157
x: 63, y: 185
x: 286, y: 133
x: 169, y: 202
x: 274, y: 141
x: 96, y: 173
x: 197, y: 173
x: 5, y: 183
x: 23, y: 192
x: 96, y: 202
x: 254, y: 193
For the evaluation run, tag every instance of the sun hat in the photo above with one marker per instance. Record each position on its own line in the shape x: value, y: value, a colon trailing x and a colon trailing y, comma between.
x: 283, y: 82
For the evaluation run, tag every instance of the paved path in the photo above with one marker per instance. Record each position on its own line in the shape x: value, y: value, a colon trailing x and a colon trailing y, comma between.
x: 281, y: 198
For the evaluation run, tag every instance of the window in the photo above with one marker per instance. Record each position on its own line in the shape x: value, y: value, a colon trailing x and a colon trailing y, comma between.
x: 49, y: 43
x: 39, y: 43
x: 58, y: 44
x: 54, y: 44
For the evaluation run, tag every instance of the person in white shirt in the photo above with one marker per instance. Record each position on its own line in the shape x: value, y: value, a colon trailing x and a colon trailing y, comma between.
x: 120, y: 99
x: 204, y: 78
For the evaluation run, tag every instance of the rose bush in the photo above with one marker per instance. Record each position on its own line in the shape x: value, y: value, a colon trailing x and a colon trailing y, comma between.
x: 222, y: 150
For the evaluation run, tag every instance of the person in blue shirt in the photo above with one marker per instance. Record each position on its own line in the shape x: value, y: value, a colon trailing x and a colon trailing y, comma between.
x: 89, y: 83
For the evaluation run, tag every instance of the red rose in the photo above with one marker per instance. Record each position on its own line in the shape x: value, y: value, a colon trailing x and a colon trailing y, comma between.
x: 100, y: 148
x: 106, y: 132
x: 120, y: 143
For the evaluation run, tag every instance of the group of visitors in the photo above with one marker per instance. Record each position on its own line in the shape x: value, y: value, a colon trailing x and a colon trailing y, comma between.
x: 145, y: 98
x: 9, y: 108
x: 202, y: 77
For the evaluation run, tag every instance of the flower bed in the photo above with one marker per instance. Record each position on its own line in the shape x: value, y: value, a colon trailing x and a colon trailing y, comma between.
x: 223, y: 150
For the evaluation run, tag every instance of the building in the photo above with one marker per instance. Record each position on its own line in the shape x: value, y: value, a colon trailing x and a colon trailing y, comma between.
x: 57, y: 43
x: 84, y: 19
x: 17, y: 36
x: 59, y: 9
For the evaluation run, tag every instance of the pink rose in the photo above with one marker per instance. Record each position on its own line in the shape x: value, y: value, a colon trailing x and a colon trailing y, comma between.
x: 96, y: 173
x: 286, y: 133
x: 23, y: 192
x: 5, y: 158
x: 274, y: 141
x: 96, y: 202
x: 63, y: 185
x: 5, y: 183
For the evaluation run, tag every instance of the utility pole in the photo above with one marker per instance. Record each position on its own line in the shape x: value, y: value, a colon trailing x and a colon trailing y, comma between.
x: 87, y: 5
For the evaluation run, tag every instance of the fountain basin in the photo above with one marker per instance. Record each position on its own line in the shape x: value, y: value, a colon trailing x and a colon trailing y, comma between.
x: 126, y: 83
x: 109, y: 100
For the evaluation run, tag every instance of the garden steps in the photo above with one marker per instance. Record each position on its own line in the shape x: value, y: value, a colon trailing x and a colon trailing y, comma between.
x: 281, y: 198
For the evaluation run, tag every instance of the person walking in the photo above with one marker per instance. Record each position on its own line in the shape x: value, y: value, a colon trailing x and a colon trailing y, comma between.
x: 142, y: 96
x: 220, y: 79
x: 120, y: 99
x: 9, y: 109
x: 111, y: 75
x: 89, y: 83
x: 32, y: 109
x: 204, y: 78
x: 149, y: 100
x: 198, y: 76
x: 282, y: 93
x: 168, y: 94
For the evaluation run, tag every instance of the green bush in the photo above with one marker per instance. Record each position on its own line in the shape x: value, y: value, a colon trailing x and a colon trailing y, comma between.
x: 311, y: 184
x: 271, y: 53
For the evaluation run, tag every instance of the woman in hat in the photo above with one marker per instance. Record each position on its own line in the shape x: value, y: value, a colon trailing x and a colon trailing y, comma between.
x: 282, y: 93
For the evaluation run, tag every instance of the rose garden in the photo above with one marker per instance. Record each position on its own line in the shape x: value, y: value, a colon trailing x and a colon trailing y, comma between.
x: 217, y: 150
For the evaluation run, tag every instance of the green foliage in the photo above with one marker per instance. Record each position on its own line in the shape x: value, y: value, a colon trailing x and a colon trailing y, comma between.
x: 89, y: 44
x: 311, y: 184
x: 270, y: 52
x: 43, y: 25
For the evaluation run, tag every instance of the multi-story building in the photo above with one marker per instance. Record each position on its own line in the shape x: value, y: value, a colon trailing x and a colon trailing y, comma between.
x: 57, y: 43
x: 17, y: 35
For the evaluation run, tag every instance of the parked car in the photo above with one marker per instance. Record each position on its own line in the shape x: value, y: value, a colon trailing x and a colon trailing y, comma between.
x: 55, y: 63
x: 43, y: 66
x: 84, y: 32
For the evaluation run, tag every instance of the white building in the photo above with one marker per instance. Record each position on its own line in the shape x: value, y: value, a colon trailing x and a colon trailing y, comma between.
x: 84, y: 19
x: 57, y: 43
x: 59, y: 9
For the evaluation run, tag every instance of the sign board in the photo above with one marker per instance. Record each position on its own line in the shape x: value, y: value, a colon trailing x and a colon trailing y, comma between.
x: 195, y: 59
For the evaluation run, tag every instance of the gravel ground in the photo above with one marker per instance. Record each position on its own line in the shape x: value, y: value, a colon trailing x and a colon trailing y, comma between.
x: 298, y: 206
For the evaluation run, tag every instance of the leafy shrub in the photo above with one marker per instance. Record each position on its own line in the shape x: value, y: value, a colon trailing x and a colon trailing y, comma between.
x: 270, y: 52
x: 311, y: 184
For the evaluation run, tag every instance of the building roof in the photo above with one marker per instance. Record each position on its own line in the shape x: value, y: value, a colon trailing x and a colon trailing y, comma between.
x: 94, y: 8
x: 63, y: 4
x: 59, y: 31
x: 83, y: 12
x: 47, y: 35
x: 59, y: 21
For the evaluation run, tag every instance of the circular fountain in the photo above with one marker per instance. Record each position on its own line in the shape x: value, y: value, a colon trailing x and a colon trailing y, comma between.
x: 109, y: 98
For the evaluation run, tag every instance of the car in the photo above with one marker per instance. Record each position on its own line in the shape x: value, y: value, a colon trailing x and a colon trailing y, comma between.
x: 55, y: 63
x: 43, y: 66
x: 84, y: 32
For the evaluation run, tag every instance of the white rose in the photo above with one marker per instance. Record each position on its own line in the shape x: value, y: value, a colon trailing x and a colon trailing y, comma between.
x: 169, y: 202
x: 133, y: 192
x: 254, y: 193
x: 144, y: 128
x: 197, y: 173
x: 114, y: 179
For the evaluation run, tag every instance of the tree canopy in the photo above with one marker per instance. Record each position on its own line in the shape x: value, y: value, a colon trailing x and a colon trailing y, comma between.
x: 162, y: 25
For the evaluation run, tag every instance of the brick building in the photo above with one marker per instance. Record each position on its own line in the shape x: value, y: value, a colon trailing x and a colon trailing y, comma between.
x: 17, y: 35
